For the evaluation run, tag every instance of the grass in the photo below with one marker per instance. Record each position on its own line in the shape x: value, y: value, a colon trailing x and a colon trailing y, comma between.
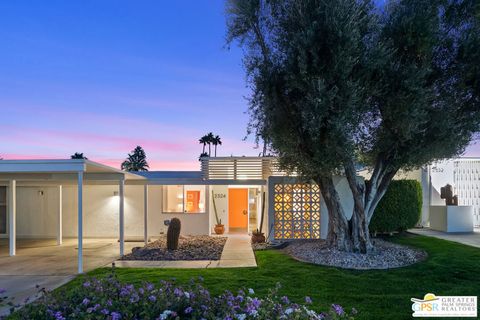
x: 451, y: 269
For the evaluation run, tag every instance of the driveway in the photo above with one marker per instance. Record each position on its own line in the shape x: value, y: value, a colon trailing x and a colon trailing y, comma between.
x: 470, y: 239
x: 44, y: 264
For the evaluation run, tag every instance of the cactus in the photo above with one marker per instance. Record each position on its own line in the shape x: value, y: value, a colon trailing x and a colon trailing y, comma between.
x: 173, y: 234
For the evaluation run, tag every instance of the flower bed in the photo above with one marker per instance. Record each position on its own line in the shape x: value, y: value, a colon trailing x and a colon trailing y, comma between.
x: 189, y: 248
x: 107, y: 298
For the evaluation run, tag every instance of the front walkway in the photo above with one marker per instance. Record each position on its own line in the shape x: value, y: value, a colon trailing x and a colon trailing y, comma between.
x: 237, y: 253
x: 470, y: 239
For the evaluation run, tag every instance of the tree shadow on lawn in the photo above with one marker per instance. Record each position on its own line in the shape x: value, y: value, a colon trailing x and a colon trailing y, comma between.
x: 450, y: 269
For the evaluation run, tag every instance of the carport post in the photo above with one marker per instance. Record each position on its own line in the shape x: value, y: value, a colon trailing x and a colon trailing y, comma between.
x: 12, y: 216
x: 59, y: 218
x: 121, y: 187
x: 80, y: 222
x: 145, y: 214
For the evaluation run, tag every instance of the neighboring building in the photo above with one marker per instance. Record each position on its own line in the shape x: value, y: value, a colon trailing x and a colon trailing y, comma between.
x: 464, y: 176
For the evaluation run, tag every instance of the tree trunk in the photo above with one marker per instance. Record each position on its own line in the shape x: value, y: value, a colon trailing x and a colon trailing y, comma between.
x: 346, y: 235
x: 338, y: 227
x: 358, y: 222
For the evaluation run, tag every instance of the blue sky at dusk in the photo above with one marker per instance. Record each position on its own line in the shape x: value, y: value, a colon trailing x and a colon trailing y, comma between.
x: 101, y: 77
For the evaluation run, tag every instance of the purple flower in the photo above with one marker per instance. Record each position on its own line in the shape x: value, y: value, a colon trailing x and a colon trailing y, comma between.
x: 3, y: 290
x: 85, y: 301
x: 116, y: 315
x: 152, y: 298
x: 285, y: 300
x: 86, y: 284
x: 308, y: 300
x: 105, y: 311
x: 59, y: 316
x: 178, y: 292
x: 338, y: 309
x: 150, y: 286
x: 256, y: 302
x: 188, y: 310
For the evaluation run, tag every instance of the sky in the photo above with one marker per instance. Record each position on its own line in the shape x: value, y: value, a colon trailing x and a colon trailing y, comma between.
x: 101, y: 77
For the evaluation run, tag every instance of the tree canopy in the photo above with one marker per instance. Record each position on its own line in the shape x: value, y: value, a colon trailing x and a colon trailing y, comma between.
x: 336, y: 83
x: 136, y: 160
x: 78, y: 155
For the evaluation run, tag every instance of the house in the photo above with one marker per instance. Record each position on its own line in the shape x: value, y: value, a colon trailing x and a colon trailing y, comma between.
x: 80, y: 199
x: 57, y: 199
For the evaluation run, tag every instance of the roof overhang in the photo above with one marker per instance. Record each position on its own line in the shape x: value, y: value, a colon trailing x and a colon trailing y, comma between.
x: 61, y: 171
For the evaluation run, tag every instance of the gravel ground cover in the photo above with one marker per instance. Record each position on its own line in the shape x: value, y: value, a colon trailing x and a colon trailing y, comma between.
x: 386, y: 255
x: 189, y: 248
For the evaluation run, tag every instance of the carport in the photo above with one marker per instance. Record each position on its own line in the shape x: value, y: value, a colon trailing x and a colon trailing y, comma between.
x: 59, y: 173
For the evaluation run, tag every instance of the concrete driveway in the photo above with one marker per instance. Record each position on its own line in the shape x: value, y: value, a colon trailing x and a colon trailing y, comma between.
x: 470, y: 239
x: 44, y: 264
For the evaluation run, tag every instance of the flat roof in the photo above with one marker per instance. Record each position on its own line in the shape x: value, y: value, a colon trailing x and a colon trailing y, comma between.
x: 61, y: 166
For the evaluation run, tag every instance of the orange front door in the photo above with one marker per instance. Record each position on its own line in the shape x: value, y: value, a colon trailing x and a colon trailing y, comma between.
x: 238, y: 209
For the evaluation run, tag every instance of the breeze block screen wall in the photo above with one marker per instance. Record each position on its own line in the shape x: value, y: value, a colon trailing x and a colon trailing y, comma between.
x: 294, y: 208
x: 466, y: 176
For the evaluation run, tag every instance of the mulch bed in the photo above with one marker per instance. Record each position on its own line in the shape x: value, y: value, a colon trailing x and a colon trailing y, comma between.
x: 385, y: 256
x: 189, y: 248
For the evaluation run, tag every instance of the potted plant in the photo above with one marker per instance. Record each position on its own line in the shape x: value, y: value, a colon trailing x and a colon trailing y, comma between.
x: 257, y: 235
x: 219, y: 227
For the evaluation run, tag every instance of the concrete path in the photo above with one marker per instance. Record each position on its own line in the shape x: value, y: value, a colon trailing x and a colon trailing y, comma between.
x: 469, y: 239
x: 42, y: 264
x: 237, y: 253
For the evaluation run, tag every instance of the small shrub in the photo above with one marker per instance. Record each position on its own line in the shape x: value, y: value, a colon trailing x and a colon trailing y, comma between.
x: 107, y: 298
x: 400, y: 207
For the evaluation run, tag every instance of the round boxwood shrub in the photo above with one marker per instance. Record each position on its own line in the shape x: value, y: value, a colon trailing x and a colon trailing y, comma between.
x: 400, y: 207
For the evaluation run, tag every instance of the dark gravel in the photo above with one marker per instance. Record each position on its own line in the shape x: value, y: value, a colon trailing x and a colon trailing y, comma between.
x: 189, y: 248
x: 385, y: 256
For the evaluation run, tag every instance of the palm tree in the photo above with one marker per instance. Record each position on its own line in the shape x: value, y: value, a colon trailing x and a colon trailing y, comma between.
x: 210, y: 138
x: 136, y: 161
x: 203, y: 140
x: 78, y: 155
x: 216, y: 141
x: 202, y: 155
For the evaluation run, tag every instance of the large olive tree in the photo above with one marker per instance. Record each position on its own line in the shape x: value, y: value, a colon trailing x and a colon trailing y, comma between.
x: 341, y: 82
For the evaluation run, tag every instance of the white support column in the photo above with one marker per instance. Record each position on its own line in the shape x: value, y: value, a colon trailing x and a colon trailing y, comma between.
x: 12, y: 216
x: 80, y: 222
x: 121, y: 187
x: 145, y: 214
x: 59, y: 217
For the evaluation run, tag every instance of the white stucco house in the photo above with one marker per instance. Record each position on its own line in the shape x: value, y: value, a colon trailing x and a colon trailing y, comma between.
x: 41, y: 199
x: 57, y: 199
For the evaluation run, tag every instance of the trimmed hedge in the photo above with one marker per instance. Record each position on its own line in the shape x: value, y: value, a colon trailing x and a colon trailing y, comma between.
x: 400, y: 207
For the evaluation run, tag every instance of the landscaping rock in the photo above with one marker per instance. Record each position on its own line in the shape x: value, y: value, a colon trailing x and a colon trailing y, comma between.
x: 385, y: 256
x: 189, y: 248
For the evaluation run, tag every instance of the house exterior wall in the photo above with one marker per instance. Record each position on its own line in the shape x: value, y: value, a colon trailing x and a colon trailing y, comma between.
x: 37, y: 212
x: 220, y: 194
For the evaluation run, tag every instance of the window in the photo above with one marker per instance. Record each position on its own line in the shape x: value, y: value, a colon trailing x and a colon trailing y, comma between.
x: 187, y: 199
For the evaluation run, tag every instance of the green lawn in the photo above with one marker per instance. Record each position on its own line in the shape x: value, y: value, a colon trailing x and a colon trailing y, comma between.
x: 451, y: 269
